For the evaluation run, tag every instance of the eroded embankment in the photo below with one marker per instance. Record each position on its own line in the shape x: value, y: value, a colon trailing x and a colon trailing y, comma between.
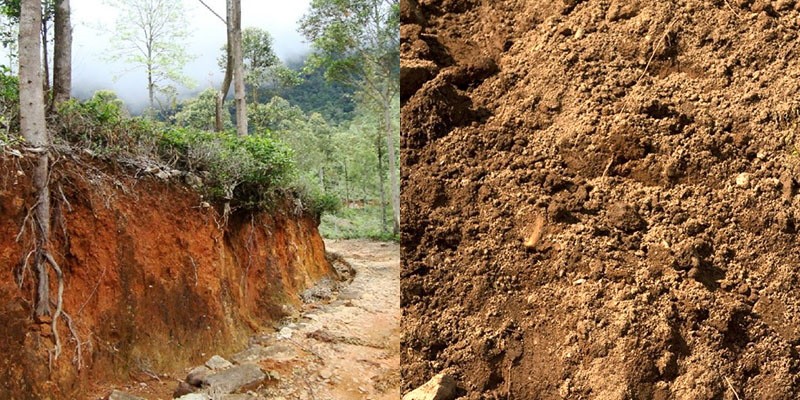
x: 151, y: 279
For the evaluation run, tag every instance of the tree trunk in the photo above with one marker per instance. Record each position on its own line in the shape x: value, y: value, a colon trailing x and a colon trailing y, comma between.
x: 226, y: 82
x: 151, y: 90
x: 62, y: 57
x: 238, y: 69
x: 382, y: 182
x: 45, y: 60
x: 392, y: 159
x: 34, y: 130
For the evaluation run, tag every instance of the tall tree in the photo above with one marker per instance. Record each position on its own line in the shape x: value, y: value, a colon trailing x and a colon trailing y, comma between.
x: 357, y: 41
x: 33, y: 128
x: 62, y: 53
x: 235, y: 48
x: 234, y: 68
x: 148, y: 35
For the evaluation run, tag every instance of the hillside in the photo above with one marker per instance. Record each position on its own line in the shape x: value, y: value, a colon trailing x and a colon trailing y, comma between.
x: 154, y: 278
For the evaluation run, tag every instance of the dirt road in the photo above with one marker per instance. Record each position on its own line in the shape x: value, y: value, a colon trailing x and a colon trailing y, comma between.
x: 344, y: 344
x: 348, y: 348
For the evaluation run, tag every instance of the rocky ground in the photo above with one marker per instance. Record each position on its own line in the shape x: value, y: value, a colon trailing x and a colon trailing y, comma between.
x: 600, y: 198
x: 344, y: 344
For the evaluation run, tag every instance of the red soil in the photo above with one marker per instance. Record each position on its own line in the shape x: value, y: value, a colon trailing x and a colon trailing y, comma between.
x: 151, y: 281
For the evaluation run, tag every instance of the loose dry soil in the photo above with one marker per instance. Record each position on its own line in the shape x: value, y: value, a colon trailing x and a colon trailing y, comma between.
x: 599, y: 198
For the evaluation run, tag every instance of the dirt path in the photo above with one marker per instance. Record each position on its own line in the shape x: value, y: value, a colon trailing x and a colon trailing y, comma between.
x: 348, y: 348
x: 345, y: 346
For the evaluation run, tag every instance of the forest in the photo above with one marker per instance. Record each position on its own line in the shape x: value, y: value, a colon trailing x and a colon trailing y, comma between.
x: 326, y: 116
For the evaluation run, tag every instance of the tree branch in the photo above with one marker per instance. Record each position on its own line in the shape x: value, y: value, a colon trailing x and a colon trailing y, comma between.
x: 213, y: 12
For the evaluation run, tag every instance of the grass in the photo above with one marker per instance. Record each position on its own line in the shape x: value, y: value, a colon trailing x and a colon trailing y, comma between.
x: 357, y: 223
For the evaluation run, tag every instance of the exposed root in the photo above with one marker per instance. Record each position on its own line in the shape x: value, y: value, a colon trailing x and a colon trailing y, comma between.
x: 25, y: 221
x: 94, y: 290
x: 59, y: 302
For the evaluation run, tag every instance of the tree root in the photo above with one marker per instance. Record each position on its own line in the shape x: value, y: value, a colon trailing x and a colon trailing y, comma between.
x: 59, y: 302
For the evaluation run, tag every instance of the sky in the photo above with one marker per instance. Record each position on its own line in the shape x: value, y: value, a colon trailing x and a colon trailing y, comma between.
x: 93, y: 22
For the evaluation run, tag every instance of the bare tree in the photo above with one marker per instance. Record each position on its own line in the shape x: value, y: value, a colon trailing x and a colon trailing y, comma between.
x: 62, y: 57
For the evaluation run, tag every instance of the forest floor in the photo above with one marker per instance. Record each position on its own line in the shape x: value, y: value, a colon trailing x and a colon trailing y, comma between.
x: 345, y: 346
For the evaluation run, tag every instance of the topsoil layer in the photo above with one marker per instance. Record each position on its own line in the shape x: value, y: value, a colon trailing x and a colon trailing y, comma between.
x: 600, y: 198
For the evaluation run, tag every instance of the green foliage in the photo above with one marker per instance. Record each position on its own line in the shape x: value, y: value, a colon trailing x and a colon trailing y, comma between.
x: 200, y: 112
x: 148, y: 34
x: 314, y: 93
x: 317, y: 201
x: 244, y: 171
x: 262, y: 68
x: 356, y: 41
x: 9, y: 101
x: 356, y: 223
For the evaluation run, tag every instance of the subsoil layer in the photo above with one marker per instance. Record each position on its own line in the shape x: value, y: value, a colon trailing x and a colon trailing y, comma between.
x: 599, y: 198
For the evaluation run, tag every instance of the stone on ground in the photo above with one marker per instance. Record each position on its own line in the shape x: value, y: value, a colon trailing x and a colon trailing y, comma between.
x: 117, y: 395
x: 440, y: 387
x: 234, y: 379
x: 217, y: 363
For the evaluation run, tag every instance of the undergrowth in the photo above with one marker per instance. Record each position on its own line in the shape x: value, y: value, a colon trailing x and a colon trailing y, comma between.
x: 245, y: 171
x: 356, y: 223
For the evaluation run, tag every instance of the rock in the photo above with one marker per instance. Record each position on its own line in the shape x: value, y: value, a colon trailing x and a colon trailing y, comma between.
x: 195, y: 396
x: 196, y: 375
x: 217, y: 363
x: 234, y: 379
x: 163, y: 175
x: 117, y: 395
x: 414, y: 73
x: 743, y: 180
x: 440, y: 387
x: 285, y: 333
x: 624, y: 217
x: 325, y: 374
x: 184, y: 389
x: 246, y: 396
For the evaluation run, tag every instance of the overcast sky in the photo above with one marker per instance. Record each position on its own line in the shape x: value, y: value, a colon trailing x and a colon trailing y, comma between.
x: 207, y: 34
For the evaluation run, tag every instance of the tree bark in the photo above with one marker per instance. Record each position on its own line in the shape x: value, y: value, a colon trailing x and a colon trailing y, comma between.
x: 45, y: 61
x: 62, y: 56
x: 226, y: 82
x: 34, y: 130
x: 382, y: 183
x: 392, y: 160
x: 238, y: 70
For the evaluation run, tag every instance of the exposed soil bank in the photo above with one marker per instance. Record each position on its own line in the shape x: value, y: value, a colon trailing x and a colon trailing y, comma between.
x: 151, y: 279
x: 600, y: 198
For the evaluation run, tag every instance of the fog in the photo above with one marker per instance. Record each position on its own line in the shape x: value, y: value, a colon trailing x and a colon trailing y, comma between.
x: 93, y: 24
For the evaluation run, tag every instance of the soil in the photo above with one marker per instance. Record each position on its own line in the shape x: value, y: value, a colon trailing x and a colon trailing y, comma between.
x: 343, y: 343
x: 346, y: 346
x: 600, y: 198
x: 153, y: 277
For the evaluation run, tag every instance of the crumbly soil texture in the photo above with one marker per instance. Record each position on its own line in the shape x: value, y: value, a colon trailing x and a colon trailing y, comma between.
x: 600, y: 198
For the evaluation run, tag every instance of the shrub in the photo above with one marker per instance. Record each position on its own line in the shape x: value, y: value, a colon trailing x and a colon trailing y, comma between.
x: 9, y: 101
x: 245, y: 169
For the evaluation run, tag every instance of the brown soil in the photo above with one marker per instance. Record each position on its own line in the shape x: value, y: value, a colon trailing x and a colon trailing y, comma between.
x: 152, y: 282
x: 346, y: 347
x: 600, y: 198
